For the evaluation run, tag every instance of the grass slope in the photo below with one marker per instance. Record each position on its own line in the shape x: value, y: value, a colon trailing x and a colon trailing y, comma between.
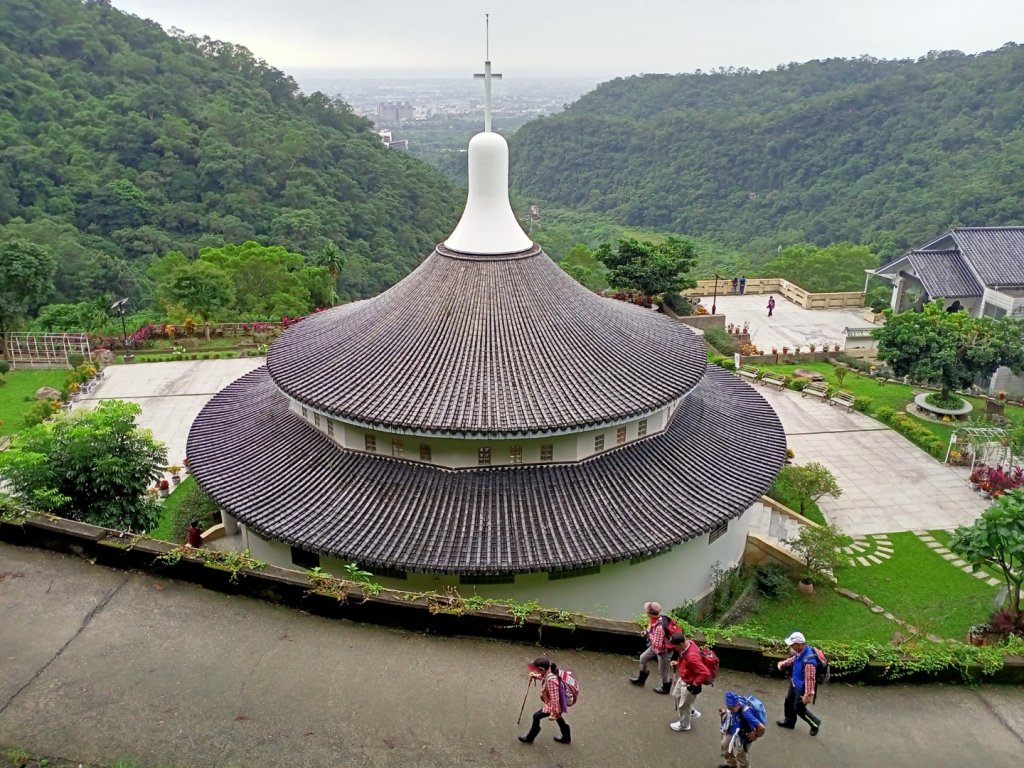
x: 23, y: 384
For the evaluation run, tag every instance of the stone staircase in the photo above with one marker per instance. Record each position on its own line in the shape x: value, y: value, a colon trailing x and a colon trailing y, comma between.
x: 772, y: 525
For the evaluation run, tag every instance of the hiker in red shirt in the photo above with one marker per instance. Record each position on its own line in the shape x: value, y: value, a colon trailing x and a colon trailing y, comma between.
x: 552, y: 698
x: 195, y: 536
x: 658, y: 648
x: 693, y: 673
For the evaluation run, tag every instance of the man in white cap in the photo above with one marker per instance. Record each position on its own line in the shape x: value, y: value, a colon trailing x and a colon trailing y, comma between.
x: 658, y: 638
x: 803, y: 665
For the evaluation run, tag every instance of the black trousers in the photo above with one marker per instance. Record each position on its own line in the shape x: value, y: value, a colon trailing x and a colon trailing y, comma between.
x: 541, y: 715
x: 795, y: 707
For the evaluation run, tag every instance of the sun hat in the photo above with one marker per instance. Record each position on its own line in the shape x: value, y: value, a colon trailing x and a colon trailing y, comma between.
x: 731, y: 699
x: 653, y: 608
x: 796, y: 637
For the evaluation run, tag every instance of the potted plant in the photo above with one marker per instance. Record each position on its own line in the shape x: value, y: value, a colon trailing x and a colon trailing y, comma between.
x: 979, y: 634
x: 812, y: 347
x: 835, y: 348
x: 978, y: 474
x: 820, y: 548
x: 785, y: 350
x: 164, y: 488
x: 185, y: 464
x: 175, y: 469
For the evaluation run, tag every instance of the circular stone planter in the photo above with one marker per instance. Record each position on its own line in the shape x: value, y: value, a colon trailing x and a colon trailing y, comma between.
x: 922, y: 405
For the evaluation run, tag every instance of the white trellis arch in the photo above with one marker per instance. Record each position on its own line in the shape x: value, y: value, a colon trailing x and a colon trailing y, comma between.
x: 986, y: 445
x: 46, y: 350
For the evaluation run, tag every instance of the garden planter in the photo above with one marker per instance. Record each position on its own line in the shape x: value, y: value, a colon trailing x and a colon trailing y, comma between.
x: 176, y: 479
x: 164, y: 493
x: 805, y: 586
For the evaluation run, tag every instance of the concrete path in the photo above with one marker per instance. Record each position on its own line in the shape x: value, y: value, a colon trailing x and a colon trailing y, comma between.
x: 99, y: 665
x: 888, y: 483
x: 791, y: 325
x: 171, y: 394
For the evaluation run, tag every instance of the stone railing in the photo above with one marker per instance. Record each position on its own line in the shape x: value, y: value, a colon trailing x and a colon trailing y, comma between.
x: 784, y: 288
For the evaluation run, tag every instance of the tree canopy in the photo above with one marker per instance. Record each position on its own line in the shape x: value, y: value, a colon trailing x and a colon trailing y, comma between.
x: 651, y: 268
x: 951, y: 349
x: 889, y: 153
x: 26, y: 274
x: 122, y: 143
x: 202, y: 288
x: 997, y: 538
x: 91, y: 465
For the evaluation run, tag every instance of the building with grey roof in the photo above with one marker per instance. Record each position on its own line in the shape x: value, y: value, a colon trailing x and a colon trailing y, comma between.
x: 489, y: 425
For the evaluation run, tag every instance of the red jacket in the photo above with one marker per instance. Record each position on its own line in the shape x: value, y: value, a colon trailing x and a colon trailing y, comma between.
x: 692, y: 669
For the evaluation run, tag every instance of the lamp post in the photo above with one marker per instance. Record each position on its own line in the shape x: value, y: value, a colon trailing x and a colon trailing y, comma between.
x: 714, y: 300
x: 118, y: 306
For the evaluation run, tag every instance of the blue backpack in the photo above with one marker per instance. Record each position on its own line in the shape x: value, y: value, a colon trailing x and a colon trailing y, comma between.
x: 756, y: 706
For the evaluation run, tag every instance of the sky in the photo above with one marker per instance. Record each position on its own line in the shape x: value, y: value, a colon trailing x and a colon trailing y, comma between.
x: 583, y: 38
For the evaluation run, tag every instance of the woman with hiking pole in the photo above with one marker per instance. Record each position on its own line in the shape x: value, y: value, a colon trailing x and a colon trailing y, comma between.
x: 552, y: 696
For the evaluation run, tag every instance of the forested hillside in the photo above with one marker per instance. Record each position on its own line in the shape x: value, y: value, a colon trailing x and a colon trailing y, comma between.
x: 120, y: 143
x: 889, y: 153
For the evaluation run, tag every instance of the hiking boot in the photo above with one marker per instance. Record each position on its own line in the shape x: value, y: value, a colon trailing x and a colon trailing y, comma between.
x: 566, y: 740
x: 640, y: 679
x: 665, y: 688
x: 678, y: 726
x: 814, y: 728
x: 784, y: 724
x: 525, y: 740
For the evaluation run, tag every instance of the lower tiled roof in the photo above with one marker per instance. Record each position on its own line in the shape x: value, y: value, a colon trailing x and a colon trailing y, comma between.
x: 287, y: 481
x: 944, y: 274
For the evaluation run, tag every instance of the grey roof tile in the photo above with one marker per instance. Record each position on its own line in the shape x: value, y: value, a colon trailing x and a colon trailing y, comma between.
x: 487, y: 344
x: 944, y: 274
x: 287, y: 481
x: 996, y: 253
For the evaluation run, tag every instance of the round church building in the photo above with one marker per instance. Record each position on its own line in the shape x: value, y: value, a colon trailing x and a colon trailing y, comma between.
x: 489, y: 424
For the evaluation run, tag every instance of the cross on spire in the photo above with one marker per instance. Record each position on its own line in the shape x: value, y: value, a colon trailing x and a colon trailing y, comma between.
x: 487, y: 76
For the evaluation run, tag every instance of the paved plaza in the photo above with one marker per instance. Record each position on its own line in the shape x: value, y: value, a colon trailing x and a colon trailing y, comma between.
x: 791, y: 325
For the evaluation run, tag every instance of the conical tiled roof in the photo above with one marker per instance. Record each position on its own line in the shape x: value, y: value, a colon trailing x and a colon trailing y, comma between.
x: 487, y: 344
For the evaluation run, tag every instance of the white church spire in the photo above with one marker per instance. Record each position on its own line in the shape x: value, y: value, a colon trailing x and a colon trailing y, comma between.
x: 488, y: 225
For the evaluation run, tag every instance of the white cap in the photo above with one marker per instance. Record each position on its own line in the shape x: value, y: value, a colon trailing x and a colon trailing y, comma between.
x: 796, y: 637
x: 488, y: 225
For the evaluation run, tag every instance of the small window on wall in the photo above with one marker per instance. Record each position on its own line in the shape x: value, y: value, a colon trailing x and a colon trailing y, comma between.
x: 397, y: 447
x: 716, y: 533
x: 425, y: 452
x: 641, y: 428
x: 316, y: 420
x: 305, y: 412
x: 515, y: 454
x: 547, y: 452
x: 598, y: 443
x: 620, y: 435
x: 304, y: 559
x: 371, y: 443
x: 483, y: 456
x: 330, y: 428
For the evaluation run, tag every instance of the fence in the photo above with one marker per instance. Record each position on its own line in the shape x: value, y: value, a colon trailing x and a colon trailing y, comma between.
x: 46, y: 350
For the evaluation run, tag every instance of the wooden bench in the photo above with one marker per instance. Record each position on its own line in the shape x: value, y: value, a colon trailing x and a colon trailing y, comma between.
x: 817, y: 389
x: 749, y: 372
x: 775, y: 379
x: 843, y: 398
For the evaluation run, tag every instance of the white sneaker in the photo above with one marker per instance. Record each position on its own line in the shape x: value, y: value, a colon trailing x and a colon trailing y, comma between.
x: 677, y: 726
x: 695, y: 713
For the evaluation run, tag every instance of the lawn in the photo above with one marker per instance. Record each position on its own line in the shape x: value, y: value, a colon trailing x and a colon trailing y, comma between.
x: 944, y: 537
x: 23, y: 384
x: 919, y: 586
x: 169, y: 509
x: 824, y: 615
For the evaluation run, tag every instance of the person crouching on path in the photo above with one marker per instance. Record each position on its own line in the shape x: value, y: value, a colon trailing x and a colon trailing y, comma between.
x: 693, y: 673
x: 658, y: 648
x: 740, y: 729
x: 552, y: 696
x: 803, y: 666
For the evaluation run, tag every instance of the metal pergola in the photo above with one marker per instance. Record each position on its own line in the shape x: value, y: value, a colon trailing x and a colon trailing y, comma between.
x: 987, y: 445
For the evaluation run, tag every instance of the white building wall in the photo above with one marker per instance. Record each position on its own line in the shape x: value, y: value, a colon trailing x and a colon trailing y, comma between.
x: 682, y: 574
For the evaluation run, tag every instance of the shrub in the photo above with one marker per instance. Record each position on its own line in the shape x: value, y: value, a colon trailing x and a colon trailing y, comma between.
x: 40, y: 411
x: 773, y: 581
x: 720, y: 340
x: 862, y: 404
x: 4, y: 366
x: 797, y: 383
x: 75, y: 359
x: 195, y: 505
x: 884, y: 414
x: 856, y: 363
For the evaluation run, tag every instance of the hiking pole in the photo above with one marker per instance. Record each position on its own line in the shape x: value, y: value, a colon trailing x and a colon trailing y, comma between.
x: 522, y: 709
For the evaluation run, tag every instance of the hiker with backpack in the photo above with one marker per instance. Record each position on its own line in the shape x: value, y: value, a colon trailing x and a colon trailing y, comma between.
x: 555, y: 699
x: 691, y: 663
x: 743, y: 721
x: 803, y: 664
x: 659, y: 629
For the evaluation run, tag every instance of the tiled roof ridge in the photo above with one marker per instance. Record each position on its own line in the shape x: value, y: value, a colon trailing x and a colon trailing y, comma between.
x: 287, y: 481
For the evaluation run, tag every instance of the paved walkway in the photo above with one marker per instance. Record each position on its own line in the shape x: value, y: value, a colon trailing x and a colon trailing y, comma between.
x: 99, y: 665
x: 791, y: 325
x: 888, y: 483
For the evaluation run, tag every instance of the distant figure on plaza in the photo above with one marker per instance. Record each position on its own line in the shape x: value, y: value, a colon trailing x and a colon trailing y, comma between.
x: 735, y: 284
x: 658, y: 647
x: 195, y: 536
x: 552, y: 697
x: 803, y: 666
x: 743, y: 284
x: 771, y: 305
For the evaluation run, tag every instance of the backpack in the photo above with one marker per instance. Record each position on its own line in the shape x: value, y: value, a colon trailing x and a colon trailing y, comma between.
x: 670, y: 626
x: 570, y: 687
x: 756, y: 707
x: 710, y: 659
x: 824, y: 672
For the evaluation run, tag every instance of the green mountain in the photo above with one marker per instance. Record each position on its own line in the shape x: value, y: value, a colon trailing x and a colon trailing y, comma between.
x: 883, y: 152
x: 120, y: 142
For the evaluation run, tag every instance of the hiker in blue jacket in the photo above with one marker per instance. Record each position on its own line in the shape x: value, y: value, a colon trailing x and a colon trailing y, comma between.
x: 740, y: 729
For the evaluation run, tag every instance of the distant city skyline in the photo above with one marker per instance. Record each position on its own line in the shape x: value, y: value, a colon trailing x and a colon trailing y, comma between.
x: 592, y: 38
